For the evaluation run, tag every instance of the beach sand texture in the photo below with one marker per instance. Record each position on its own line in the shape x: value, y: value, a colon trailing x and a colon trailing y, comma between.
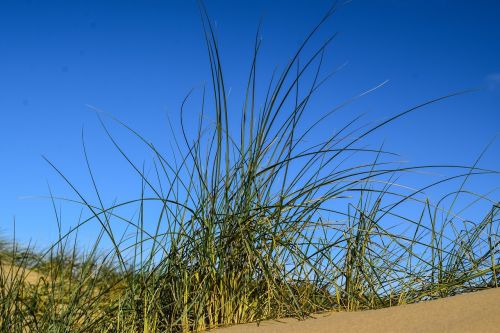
x: 472, y: 312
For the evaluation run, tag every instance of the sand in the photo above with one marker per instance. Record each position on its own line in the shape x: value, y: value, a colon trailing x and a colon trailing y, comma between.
x: 10, y: 273
x: 471, y: 312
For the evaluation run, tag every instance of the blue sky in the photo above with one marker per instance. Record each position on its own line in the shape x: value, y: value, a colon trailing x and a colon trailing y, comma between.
x: 138, y: 59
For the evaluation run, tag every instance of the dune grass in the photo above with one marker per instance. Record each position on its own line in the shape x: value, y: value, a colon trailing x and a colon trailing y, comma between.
x: 244, y: 224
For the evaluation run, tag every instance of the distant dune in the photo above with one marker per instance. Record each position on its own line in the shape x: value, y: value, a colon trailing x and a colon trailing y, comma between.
x: 472, y: 312
x: 10, y: 273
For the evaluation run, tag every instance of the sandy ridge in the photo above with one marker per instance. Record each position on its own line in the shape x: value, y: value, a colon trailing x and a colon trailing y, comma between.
x: 471, y: 312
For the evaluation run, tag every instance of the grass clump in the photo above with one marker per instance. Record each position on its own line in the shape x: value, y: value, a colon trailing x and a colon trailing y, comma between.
x: 243, y: 225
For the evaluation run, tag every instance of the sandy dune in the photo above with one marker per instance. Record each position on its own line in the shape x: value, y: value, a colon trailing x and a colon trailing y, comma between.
x: 472, y: 312
x: 10, y: 273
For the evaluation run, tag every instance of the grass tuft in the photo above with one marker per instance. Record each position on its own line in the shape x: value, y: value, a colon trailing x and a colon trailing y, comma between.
x: 243, y: 224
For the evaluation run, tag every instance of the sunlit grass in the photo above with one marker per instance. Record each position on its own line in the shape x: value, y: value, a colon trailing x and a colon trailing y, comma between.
x: 243, y: 224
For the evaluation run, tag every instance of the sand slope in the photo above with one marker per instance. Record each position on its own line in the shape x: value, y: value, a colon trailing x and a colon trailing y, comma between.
x: 472, y: 312
x: 11, y: 273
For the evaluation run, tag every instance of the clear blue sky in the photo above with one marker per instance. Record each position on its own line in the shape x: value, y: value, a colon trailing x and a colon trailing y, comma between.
x: 138, y: 59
